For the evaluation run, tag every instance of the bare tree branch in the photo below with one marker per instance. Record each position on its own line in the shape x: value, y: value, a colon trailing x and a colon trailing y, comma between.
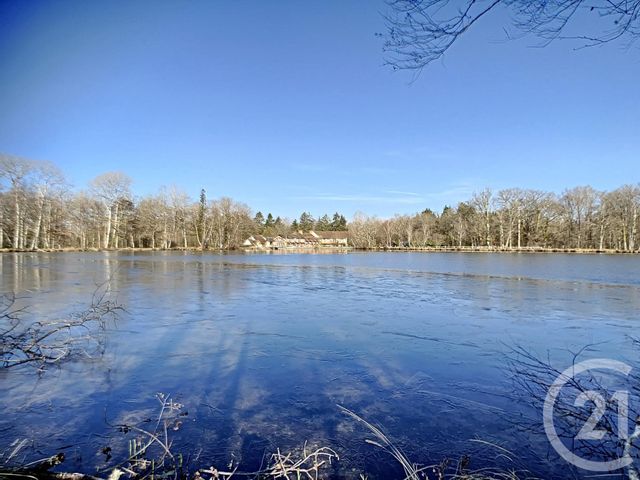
x: 421, y: 31
x: 48, y: 342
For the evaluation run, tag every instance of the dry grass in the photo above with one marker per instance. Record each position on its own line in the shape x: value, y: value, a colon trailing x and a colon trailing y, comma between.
x: 442, y: 471
x: 150, y: 451
x: 306, y: 465
x: 151, y: 457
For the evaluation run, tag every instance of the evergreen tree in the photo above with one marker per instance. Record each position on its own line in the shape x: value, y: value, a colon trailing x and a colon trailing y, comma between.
x: 259, y: 222
x: 307, y: 222
x: 339, y: 222
x: 202, y: 210
x: 324, y: 223
x: 269, y: 222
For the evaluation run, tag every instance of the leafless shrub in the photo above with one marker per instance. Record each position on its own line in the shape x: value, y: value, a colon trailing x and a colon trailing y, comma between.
x: 533, y: 378
x: 49, y: 342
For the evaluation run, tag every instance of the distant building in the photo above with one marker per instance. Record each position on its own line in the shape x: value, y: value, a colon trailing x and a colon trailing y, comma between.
x: 257, y: 241
x: 331, y: 238
x: 298, y: 240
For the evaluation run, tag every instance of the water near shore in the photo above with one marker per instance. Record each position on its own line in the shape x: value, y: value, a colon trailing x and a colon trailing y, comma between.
x: 261, y: 348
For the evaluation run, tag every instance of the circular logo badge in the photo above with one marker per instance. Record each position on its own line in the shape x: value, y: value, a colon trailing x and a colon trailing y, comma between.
x: 589, y: 430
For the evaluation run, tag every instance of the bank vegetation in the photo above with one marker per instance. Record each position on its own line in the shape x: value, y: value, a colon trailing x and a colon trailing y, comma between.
x: 40, y: 210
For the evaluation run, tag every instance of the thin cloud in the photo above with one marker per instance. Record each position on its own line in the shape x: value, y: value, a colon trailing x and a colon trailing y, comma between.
x: 365, y: 198
x: 400, y: 192
x: 425, y: 152
x: 451, y: 195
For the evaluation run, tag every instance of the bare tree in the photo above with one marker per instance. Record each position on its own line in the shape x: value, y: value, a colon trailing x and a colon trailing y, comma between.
x: 152, y: 221
x: 16, y: 171
x: 405, y: 227
x: 111, y: 189
x: 624, y: 206
x: 533, y: 216
x: 511, y: 202
x: 386, y: 232
x: 482, y: 201
x: 580, y: 205
x: 362, y: 231
x: 463, y: 223
x: 178, y: 209
x: 426, y: 223
x: 231, y: 223
x: 421, y: 31
x: 85, y: 218
x: 48, y: 184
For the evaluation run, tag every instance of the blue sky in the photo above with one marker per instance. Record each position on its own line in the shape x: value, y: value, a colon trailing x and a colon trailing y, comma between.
x: 287, y: 105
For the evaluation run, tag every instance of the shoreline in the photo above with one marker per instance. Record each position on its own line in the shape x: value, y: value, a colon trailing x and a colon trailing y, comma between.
x: 583, y: 251
x: 589, y: 251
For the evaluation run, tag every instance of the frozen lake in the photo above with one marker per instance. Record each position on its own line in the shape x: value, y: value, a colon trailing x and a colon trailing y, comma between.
x: 262, y: 348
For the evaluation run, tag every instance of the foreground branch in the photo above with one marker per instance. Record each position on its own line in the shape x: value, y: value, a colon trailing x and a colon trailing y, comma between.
x: 49, y: 342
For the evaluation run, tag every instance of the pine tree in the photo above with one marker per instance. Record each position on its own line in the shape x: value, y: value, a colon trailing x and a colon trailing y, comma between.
x: 269, y: 222
x: 324, y: 223
x: 200, y: 227
x: 339, y: 222
x: 307, y: 222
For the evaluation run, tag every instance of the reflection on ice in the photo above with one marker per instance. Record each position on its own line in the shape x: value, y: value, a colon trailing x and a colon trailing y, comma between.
x: 261, y: 349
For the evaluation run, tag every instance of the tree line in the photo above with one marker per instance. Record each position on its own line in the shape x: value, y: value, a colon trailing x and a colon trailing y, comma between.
x: 38, y: 210
x: 578, y: 218
x: 270, y: 226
